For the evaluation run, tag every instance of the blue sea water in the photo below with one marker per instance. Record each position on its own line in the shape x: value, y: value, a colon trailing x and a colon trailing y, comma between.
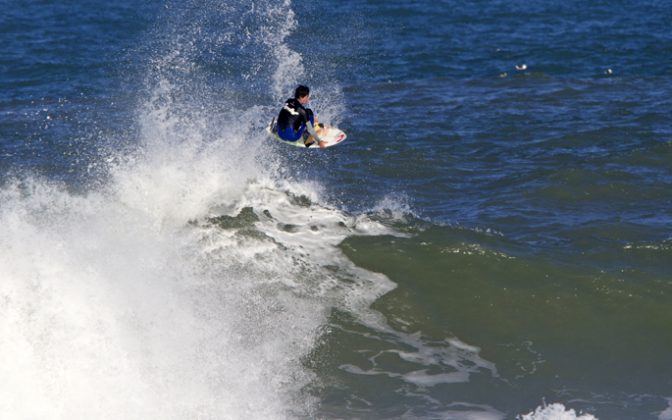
x: 493, y: 240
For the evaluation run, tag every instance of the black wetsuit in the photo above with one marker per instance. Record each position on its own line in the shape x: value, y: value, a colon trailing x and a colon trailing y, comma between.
x: 293, y: 120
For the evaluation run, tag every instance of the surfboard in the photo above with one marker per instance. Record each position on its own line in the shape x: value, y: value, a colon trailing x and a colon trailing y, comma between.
x: 331, y: 135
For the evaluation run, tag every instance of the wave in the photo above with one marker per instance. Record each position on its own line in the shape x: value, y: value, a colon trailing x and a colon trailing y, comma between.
x: 193, y: 281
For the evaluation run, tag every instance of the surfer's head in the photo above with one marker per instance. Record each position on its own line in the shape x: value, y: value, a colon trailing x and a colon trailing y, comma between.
x: 302, y: 94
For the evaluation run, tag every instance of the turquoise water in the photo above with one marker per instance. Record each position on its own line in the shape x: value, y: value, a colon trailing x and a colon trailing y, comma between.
x: 493, y: 239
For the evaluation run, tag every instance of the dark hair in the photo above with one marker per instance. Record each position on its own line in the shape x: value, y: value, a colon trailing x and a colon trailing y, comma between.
x: 301, y: 91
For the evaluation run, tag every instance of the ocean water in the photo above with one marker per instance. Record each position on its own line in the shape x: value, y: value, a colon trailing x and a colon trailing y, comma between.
x: 493, y: 240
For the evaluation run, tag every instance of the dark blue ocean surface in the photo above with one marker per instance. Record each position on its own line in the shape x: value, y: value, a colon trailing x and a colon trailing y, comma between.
x: 494, y: 235
x: 64, y: 76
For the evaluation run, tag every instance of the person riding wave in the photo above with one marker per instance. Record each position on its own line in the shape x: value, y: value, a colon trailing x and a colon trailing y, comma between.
x: 295, y: 121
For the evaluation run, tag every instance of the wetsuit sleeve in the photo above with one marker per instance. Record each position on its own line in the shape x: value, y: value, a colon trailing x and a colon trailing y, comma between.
x: 309, y: 125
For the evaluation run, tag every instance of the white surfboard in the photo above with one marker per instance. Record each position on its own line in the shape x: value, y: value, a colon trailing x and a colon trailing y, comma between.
x: 331, y: 135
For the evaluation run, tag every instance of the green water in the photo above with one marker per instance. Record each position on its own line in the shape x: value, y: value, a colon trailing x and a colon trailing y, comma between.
x: 552, y: 331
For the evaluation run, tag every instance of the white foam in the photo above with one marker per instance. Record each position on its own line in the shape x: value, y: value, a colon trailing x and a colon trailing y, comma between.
x: 555, y: 412
x: 107, y: 313
x: 113, y: 305
x: 667, y: 413
x: 448, y: 362
x: 394, y: 206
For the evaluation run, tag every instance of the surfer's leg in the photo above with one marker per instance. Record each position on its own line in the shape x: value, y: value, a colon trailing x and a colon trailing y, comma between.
x: 288, y: 134
x: 307, y: 138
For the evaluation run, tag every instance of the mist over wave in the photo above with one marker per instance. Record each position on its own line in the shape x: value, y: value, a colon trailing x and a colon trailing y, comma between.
x: 139, y: 298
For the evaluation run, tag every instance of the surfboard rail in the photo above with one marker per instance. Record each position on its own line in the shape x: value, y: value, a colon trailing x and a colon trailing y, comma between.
x: 330, y: 134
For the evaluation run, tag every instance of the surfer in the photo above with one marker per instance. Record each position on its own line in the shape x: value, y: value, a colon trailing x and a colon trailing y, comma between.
x: 295, y: 121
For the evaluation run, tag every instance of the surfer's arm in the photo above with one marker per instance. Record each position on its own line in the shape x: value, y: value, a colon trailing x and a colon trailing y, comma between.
x: 311, y: 130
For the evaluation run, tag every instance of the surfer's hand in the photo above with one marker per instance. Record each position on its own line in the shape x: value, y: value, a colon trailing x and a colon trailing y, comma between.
x: 323, y: 144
